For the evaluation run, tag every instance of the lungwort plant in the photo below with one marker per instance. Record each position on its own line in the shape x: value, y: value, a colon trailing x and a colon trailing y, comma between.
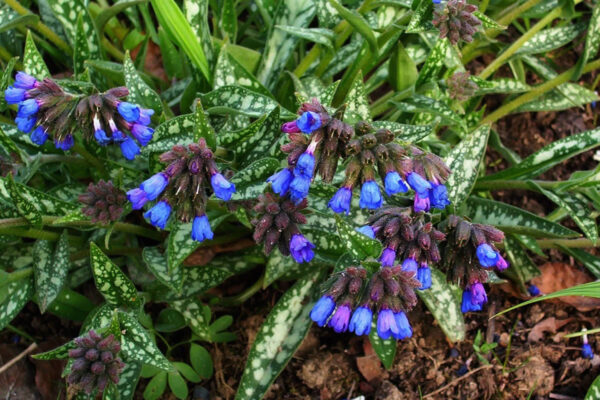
x: 347, y: 139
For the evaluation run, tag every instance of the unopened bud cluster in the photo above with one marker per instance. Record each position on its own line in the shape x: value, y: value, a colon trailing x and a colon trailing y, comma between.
x: 95, y: 362
x: 352, y: 299
x: 277, y: 225
x: 468, y: 253
x: 461, y: 87
x: 49, y: 112
x: 103, y: 202
x: 184, y: 185
x: 455, y: 20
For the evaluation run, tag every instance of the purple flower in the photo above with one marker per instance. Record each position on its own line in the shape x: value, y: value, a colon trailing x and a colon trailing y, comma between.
x: 301, y: 248
x: 299, y: 188
x: 404, y: 328
x: 39, y: 136
x: 487, y: 256
x: 322, y: 310
x: 367, y: 231
x: 370, y: 196
x: 142, y: 133
x: 64, y: 144
x: 305, y: 165
x: 25, y: 81
x: 421, y: 203
x: 501, y: 264
x: 439, y: 197
x: 424, y: 276
x: 340, y: 201
x: 360, y: 323
x: 309, y: 122
x: 28, y: 108
x: 386, y: 324
x: 129, y: 112
x: 388, y: 257
x: 533, y: 290
x: 137, y: 198
x: 14, y: 95
x: 290, y: 127
x: 394, y: 183
x: 478, y: 295
x: 155, y: 185
x: 280, y: 181
x: 201, y: 229
x: 145, y: 116
x: 222, y: 187
x: 159, y: 214
x: 418, y: 184
x: 25, y: 124
x: 129, y: 148
x: 339, y: 319
x: 586, y: 351
x: 410, y: 264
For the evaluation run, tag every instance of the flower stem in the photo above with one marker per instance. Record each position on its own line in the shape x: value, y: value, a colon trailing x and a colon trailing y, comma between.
x: 242, y: 297
x: 579, y: 243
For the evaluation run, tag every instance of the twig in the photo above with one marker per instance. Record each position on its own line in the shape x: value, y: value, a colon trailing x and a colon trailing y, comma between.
x: 455, y: 381
x: 9, y: 364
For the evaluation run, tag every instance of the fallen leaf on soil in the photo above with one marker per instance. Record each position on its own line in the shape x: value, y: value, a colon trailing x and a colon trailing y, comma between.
x: 370, y: 367
x: 48, y: 372
x: 388, y: 391
x: 17, y: 381
x: 547, y: 325
x: 557, y: 276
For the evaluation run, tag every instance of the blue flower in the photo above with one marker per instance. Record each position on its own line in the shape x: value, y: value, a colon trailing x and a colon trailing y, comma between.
x: 370, y: 196
x: 159, y: 214
x: 129, y: 148
x: 142, y: 133
x: 404, y: 328
x: 101, y: 137
x: 340, y: 201
x: 145, y: 116
x: 388, y: 257
x: 137, y: 197
x: 367, y: 230
x: 301, y: 248
x: 418, y: 184
x: 25, y: 81
x: 222, y: 187
x: 386, y: 324
x: 299, y: 188
x: 467, y: 304
x: 586, y: 351
x: 28, y: 108
x: 360, y: 323
x: 129, y: 112
x: 309, y: 122
x: 280, y: 181
x: 14, y: 95
x: 533, y: 290
x: 305, y: 165
x: 25, y: 124
x: 394, y: 183
x: 322, y: 310
x: 439, y: 197
x: 410, y: 264
x: 501, y: 264
x: 64, y: 144
x: 424, y: 276
x: 339, y: 319
x: 421, y: 203
x: 488, y: 257
x: 39, y: 136
x: 155, y: 185
x: 201, y: 229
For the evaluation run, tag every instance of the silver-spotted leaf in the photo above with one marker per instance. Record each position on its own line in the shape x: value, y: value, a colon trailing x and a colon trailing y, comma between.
x: 114, y: 285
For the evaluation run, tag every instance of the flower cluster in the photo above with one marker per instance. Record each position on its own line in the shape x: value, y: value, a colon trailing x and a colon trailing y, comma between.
x: 183, y: 184
x: 455, y: 20
x: 277, y: 224
x: 468, y: 253
x: 349, y: 302
x: 95, y: 362
x: 48, y: 112
x: 461, y: 87
x: 103, y: 202
x: 407, y: 238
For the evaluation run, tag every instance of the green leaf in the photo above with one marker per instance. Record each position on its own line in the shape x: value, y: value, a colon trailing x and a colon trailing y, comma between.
x: 157, y: 264
x: 229, y: 72
x: 179, y: 30
x: 551, y: 39
x: 170, y: 56
x: 549, y: 156
x: 403, y: 132
x: 71, y: 305
x: 513, y: 219
x: 139, y: 346
x: 139, y: 91
x: 385, y: 349
x: 128, y: 380
x: 487, y: 22
x: 255, y: 173
x: 421, y: 18
x: 156, y: 386
x: 357, y: 102
x: 266, y: 142
x: 277, y: 265
x: 239, y: 100
x: 23, y: 203
x: 434, y: 62
x: 229, y: 19
x: 443, y: 300
x: 201, y: 361
x: 192, y: 311
x: 464, y: 160
x: 169, y: 320
x: 14, y: 20
x: 423, y: 104
x: 178, y: 385
x: 522, y: 269
x: 593, y: 393
x: 359, y: 24
x: 500, y: 85
x: 196, y: 13
x: 177, y: 130
x: 592, y: 42
x: 17, y: 295
x: 318, y: 35
x: 114, y: 285
x: 113, y: 10
x: 278, y: 338
x: 403, y: 71
x: 591, y: 262
x: 60, y: 352
x: 67, y: 12
x: 33, y: 63
x: 203, y: 129
x: 81, y: 50
x: 187, y: 371
x: 50, y: 270
x: 359, y: 245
